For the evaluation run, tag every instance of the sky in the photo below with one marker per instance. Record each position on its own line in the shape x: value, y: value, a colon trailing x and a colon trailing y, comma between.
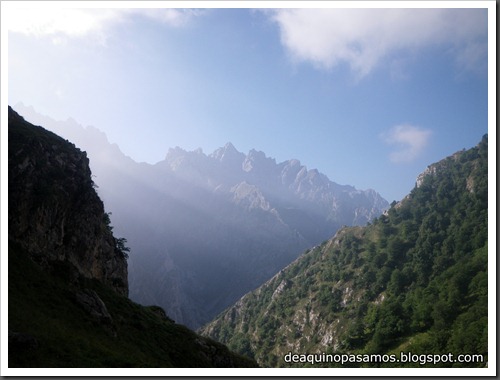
x: 368, y: 96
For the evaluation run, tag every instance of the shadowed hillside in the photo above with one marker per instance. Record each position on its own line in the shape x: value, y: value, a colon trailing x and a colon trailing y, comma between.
x: 68, y: 304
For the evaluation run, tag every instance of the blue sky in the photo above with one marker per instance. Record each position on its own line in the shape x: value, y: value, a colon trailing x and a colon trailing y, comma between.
x: 369, y: 97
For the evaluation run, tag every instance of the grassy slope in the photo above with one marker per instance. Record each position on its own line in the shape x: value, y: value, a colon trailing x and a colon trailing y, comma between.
x: 42, y: 305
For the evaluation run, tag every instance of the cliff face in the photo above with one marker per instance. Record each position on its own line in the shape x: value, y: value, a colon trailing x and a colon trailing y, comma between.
x: 55, y: 213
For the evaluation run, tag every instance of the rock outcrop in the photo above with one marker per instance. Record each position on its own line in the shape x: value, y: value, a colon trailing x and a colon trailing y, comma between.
x: 54, y: 210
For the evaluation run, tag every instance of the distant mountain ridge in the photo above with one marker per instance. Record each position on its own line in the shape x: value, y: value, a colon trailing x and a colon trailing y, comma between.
x: 257, y: 181
x: 205, y: 229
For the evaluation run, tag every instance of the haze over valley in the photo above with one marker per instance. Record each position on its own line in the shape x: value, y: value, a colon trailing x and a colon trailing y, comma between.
x: 205, y: 229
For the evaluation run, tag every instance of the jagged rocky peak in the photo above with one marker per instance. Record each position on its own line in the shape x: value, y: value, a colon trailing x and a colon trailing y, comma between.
x: 289, y: 171
x: 175, y: 153
x: 179, y: 159
x: 430, y: 170
x: 228, y: 154
x: 257, y: 160
x: 249, y: 196
x: 55, y: 213
x: 436, y: 168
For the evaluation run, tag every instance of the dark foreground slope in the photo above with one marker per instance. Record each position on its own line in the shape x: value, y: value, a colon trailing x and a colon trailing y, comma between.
x: 415, y: 280
x: 68, y: 273
x: 53, y: 324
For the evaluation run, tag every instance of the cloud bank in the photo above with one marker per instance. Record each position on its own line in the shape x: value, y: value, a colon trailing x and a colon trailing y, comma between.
x: 409, y: 140
x: 326, y: 37
x: 362, y: 38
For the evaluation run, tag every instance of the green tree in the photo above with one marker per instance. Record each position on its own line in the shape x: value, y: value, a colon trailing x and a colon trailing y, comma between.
x: 120, y: 245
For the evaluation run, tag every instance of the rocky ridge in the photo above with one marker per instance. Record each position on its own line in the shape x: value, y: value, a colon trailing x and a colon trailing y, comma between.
x: 54, y: 210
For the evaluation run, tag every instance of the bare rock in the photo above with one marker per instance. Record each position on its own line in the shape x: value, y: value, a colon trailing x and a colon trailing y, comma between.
x: 93, y: 304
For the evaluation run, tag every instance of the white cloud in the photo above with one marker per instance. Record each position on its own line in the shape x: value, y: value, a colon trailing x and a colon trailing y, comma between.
x: 170, y: 16
x: 40, y: 21
x: 362, y: 38
x: 409, y: 140
x: 58, y: 21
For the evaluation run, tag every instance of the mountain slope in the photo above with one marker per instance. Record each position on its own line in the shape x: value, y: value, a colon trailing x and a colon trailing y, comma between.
x: 415, y: 280
x: 205, y: 229
x: 67, y: 282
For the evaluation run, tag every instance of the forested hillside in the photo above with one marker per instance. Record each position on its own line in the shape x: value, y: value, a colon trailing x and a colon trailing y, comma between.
x: 415, y: 280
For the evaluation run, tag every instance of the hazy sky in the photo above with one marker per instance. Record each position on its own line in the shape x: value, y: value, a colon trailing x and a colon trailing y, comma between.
x: 369, y: 97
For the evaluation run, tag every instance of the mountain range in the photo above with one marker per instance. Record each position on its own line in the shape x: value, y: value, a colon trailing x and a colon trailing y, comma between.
x: 409, y: 288
x: 206, y: 229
